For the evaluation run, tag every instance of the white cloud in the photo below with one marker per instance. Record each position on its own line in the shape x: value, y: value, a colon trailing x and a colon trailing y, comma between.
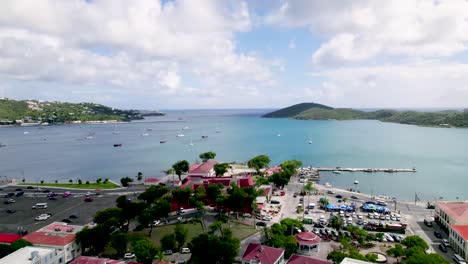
x: 363, y: 29
x: 134, y: 45
x: 292, y: 44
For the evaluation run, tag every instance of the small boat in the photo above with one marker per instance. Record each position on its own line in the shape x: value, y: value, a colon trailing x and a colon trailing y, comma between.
x: 186, y: 128
x: 336, y: 172
x: 191, y: 143
x: 310, y: 141
x: 162, y: 141
x: 327, y: 184
x: 145, y: 134
x: 279, y: 134
x: 26, y: 132
x: 356, y: 182
x: 149, y: 129
x: 180, y: 135
x: 204, y: 136
x: 2, y: 145
x: 368, y: 170
x: 115, y: 132
x: 117, y: 145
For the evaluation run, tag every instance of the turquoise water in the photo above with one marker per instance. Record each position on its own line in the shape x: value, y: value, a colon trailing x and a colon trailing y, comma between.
x: 55, y: 153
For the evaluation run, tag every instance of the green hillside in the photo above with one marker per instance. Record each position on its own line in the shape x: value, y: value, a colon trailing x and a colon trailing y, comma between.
x: 59, y: 112
x: 311, y: 111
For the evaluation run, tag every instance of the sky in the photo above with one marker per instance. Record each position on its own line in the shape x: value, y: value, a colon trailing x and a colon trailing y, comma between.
x: 191, y: 54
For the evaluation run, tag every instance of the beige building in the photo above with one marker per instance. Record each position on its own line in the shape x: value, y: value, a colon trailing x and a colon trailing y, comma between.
x: 34, y: 255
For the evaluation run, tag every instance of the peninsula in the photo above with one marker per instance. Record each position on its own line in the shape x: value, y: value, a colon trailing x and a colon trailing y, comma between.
x: 34, y: 112
x: 313, y: 111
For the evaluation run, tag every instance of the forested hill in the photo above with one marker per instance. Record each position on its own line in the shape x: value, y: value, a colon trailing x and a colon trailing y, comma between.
x: 312, y: 111
x: 60, y: 112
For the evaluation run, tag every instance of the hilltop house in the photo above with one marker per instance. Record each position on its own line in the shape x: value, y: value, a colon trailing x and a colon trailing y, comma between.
x: 205, y: 169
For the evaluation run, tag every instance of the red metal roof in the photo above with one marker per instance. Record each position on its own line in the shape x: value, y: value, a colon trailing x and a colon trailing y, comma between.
x: 93, y: 260
x: 307, y: 238
x: 457, y: 210
x: 152, y: 180
x: 204, y: 168
x: 462, y: 230
x: 297, y: 259
x: 246, y: 182
x: 9, y: 238
x: 43, y: 238
x: 265, y: 254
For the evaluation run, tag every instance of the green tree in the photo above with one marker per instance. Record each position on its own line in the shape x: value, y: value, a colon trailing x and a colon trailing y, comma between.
x: 153, y: 193
x: 279, y: 180
x: 87, y: 182
x: 396, y: 251
x: 42, y: 181
x: 214, y: 191
x: 20, y: 243
x: 80, y: 181
x: 70, y: 181
x: 415, y: 241
x: 106, y: 181
x: 168, y: 241
x: 182, y: 195
x: 119, y: 243
x: 98, y: 181
x: 289, y: 167
x: 180, y: 233
x: 207, y: 156
x: 140, y: 176
x: 422, y: 258
x: 125, y: 181
x: 145, y: 251
x: 336, y: 256
x: 337, y: 222
x: 221, y: 168
x: 103, y: 216
x: 259, y: 162
x: 56, y: 181
x: 180, y: 167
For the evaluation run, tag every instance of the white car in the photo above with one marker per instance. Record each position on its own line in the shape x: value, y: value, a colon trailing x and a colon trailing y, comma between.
x: 185, y: 250
x: 42, y: 217
x: 156, y: 222
x: 266, y: 218
x: 129, y: 256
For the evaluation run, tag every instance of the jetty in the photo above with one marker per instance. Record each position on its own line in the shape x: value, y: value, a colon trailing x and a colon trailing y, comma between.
x: 390, y: 170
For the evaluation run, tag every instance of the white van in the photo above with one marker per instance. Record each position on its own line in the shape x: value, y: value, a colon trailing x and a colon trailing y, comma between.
x: 459, y: 259
x: 40, y: 206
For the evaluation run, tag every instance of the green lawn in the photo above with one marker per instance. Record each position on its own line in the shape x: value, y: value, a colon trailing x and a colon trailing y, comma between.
x: 91, y: 185
x: 239, y: 231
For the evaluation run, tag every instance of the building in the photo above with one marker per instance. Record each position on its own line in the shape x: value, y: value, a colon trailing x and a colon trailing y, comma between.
x: 353, y: 261
x: 308, y: 243
x: 245, y: 182
x: 257, y: 253
x: 93, y: 260
x: 59, y: 236
x: 298, y: 259
x: 9, y: 238
x: 270, y: 171
x: 34, y: 255
x: 451, y: 213
x: 458, y: 239
x: 151, y: 181
x: 206, y: 169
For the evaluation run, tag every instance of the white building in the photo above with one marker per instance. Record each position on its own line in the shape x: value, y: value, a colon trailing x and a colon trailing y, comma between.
x: 34, y: 255
x: 458, y: 238
x: 59, y: 236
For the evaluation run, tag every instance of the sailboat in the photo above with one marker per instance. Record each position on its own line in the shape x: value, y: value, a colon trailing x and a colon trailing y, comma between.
x: 279, y: 134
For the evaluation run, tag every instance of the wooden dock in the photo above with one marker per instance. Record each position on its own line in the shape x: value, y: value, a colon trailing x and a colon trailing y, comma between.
x: 389, y: 170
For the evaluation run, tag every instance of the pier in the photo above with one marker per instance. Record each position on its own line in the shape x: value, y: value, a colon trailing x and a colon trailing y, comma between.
x: 390, y: 170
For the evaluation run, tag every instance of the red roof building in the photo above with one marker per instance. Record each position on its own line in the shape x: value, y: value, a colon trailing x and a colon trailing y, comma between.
x: 9, y: 238
x: 206, y: 169
x: 93, y: 260
x: 270, y: 171
x: 298, y: 259
x: 245, y: 182
x: 452, y: 213
x: 308, y: 242
x: 458, y: 238
x: 152, y: 181
x: 263, y: 254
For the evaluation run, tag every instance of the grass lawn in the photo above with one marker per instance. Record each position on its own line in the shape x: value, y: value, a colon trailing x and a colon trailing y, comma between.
x: 91, y: 185
x: 239, y: 231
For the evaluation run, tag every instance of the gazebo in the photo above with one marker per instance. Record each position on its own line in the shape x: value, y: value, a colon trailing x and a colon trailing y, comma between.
x: 308, y: 243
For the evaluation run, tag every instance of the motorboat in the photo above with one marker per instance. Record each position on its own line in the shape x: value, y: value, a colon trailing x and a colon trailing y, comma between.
x: 310, y: 141
x: 336, y: 172
x: 117, y: 145
x: 204, y: 136
x: 186, y: 128
x: 180, y: 135
x: 356, y: 182
x: 162, y: 141
x: 145, y: 134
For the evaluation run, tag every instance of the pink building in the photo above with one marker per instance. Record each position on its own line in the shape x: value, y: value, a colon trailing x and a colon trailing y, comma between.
x: 206, y: 169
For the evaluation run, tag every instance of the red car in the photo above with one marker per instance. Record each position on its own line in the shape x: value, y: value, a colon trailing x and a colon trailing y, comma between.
x: 88, y: 199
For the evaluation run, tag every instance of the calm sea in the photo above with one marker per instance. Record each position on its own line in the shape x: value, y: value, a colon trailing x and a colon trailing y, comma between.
x: 61, y: 153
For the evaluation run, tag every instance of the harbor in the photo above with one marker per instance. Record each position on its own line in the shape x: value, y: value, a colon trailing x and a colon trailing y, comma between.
x: 365, y: 169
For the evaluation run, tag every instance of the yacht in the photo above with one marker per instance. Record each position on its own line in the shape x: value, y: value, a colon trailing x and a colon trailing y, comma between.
x: 186, y: 128
x: 336, y: 172
x: 356, y: 182
x: 162, y: 141
x: 144, y: 134
x: 117, y: 145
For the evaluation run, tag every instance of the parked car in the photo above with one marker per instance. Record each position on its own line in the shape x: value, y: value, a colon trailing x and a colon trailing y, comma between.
x: 66, y: 194
x: 247, y: 215
x: 156, y: 222
x: 261, y: 224
x: 52, y: 198
x: 354, y: 197
x: 9, y: 201
x: 10, y: 211
x: 29, y: 187
x: 275, y: 202
x: 445, y: 242
x: 266, y: 218
x: 185, y: 250
x: 20, y: 193
x: 8, y: 195
x: 331, y: 192
x: 46, y: 191
x: 168, y: 252
x: 339, y: 196
x: 73, y: 216
x: 129, y: 256
x: 437, y: 234
x: 66, y: 220
x: 19, y: 190
x: 88, y: 199
x: 443, y: 248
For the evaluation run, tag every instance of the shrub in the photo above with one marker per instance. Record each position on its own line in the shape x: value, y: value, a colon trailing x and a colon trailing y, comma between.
x: 79, y: 181
x: 87, y: 182
x: 70, y: 181
x: 42, y: 182
x: 139, y: 228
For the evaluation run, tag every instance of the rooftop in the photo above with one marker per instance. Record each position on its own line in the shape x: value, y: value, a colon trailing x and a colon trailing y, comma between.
x: 462, y: 230
x: 9, y: 238
x: 457, y: 210
x: 264, y: 254
x: 60, y: 227
x: 203, y: 168
x: 23, y: 255
x: 93, y: 260
x: 52, y: 239
x: 245, y: 182
x: 298, y: 259
x: 152, y: 180
x: 307, y: 238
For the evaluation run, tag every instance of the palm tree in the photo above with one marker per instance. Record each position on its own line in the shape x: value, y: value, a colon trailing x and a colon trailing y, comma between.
x: 140, y: 176
x: 337, y: 222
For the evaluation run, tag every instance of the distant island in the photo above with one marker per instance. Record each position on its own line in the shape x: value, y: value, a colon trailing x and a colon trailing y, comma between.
x: 313, y: 111
x: 34, y: 112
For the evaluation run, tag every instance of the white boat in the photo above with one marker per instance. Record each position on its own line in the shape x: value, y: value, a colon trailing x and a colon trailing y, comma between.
x: 279, y: 134
x: 356, y: 182
x: 144, y: 134
x: 310, y: 141
x: 25, y: 132
x: 191, y: 143
x: 186, y: 128
x: 327, y: 184
x: 180, y: 135
x: 336, y: 172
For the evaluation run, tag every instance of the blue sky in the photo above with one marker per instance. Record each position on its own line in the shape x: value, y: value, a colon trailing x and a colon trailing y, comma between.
x: 234, y: 54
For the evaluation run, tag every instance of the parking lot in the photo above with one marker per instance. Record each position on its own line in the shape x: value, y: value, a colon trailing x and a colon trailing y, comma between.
x: 23, y: 217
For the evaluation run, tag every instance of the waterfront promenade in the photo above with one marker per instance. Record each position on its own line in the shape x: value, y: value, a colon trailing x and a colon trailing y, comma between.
x: 365, y: 169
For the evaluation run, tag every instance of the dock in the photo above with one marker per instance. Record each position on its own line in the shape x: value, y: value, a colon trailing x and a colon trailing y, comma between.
x: 390, y: 170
